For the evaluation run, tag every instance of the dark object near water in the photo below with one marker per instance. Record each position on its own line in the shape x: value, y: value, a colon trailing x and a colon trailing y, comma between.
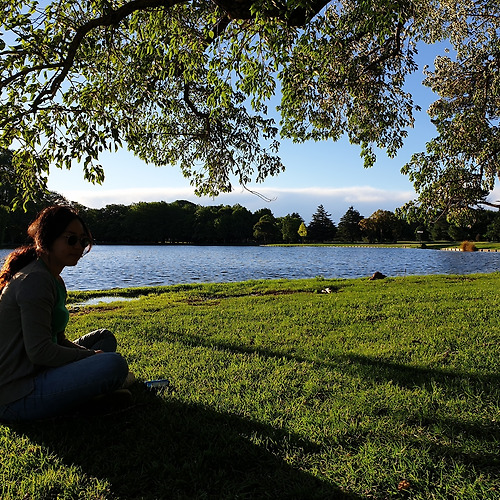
x: 378, y: 276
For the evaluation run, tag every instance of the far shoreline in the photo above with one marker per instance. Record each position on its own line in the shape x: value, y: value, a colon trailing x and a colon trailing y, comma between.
x: 453, y: 246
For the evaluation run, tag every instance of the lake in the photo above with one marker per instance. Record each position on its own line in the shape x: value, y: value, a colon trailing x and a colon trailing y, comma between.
x: 107, y: 267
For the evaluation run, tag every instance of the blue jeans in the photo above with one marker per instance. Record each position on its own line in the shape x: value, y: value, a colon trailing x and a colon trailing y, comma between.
x: 61, y: 390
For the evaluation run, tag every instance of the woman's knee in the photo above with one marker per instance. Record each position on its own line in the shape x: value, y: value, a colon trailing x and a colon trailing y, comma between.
x: 101, y: 339
x: 107, y: 369
x: 106, y: 340
x: 115, y: 363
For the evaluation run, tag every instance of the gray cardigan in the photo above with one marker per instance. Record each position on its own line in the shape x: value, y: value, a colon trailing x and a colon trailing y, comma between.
x: 26, y: 344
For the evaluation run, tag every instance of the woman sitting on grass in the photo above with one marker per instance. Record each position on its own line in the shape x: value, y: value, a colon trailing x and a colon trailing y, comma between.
x: 42, y: 374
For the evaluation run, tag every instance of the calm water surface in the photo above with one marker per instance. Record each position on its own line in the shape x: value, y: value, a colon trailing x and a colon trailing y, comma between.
x: 107, y: 267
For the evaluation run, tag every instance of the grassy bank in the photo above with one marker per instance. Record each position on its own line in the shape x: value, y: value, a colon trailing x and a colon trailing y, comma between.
x: 377, y: 389
x: 430, y: 245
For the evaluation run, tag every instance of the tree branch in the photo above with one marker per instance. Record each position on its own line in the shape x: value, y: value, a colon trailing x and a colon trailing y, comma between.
x: 191, y: 105
x: 27, y: 71
x: 392, y: 48
x: 114, y: 17
x: 489, y: 204
x: 299, y: 16
x: 235, y: 10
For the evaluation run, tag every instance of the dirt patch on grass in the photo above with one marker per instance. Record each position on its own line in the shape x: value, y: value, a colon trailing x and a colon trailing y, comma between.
x: 216, y: 299
x: 80, y: 311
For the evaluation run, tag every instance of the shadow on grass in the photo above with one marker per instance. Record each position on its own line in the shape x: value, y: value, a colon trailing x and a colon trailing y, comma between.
x: 163, y: 449
x: 484, y: 386
x: 365, y: 366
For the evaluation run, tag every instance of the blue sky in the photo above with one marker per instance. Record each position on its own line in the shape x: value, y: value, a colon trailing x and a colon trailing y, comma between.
x: 327, y: 173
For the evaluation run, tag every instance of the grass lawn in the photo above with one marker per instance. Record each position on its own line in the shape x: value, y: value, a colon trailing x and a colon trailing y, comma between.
x: 430, y: 245
x: 378, y: 389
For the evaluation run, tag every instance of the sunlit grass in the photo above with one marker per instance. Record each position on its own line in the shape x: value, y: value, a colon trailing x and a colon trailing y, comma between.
x: 430, y: 245
x: 279, y: 390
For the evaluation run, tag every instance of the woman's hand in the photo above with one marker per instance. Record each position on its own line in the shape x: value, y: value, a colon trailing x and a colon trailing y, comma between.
x: 98, y: 351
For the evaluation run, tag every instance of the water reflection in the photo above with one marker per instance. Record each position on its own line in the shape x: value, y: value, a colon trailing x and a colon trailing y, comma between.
x: 107, y: 267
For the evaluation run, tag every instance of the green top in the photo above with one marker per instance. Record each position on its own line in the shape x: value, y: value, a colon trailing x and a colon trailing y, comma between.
x: 60, y: 314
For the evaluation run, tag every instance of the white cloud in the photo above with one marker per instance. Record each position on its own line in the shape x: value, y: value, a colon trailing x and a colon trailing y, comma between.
x: 494, y: 196
x: 98, y: 198
x: 361, y: 194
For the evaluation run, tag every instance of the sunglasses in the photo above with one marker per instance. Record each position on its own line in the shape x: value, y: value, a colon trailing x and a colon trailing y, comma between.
x: 74, y: 239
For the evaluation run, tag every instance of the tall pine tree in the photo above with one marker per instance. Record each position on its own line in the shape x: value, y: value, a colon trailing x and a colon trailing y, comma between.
x: 321, y: 227
x: 349, y: 229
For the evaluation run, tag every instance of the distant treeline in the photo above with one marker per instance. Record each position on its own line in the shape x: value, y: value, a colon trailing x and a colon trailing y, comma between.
x: 186, y: 222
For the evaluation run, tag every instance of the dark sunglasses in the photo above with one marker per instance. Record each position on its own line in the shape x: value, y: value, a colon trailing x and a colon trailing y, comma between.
x: 74, y: 239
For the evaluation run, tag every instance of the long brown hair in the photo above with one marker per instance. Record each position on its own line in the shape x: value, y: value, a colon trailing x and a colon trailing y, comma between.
x: 50, y: 223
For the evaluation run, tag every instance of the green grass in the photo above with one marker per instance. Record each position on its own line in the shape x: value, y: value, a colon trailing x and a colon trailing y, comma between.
x: 430, y: 245
x: 278, y: 390
x: 485, y: 244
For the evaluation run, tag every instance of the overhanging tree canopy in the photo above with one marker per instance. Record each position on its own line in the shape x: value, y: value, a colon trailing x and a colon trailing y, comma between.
x: 187, y: 83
